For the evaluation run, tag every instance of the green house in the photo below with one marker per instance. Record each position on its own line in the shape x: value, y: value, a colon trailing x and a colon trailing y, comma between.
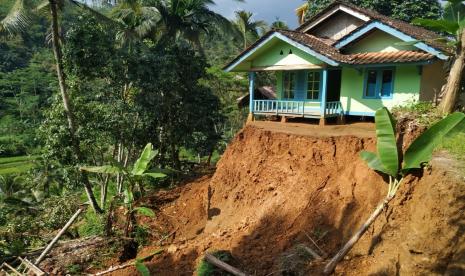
x: 345, y: 61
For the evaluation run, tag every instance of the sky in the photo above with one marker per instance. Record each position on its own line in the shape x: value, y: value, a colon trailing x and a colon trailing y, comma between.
x: 266, y: 10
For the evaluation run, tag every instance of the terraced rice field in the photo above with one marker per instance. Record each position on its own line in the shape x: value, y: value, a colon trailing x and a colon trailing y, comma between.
x: 17, y: 164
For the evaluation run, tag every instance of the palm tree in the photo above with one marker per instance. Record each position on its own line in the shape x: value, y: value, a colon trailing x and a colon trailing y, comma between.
x: 16, y: 21
x: 452, y: 24
x: 279, y: 24
x: 136, y: 21
x: 248, y: 28
x: 301, y: 12
x: 188, y: 19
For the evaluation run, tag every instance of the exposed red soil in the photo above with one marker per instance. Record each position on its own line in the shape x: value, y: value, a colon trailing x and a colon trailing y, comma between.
x: 273, y: 190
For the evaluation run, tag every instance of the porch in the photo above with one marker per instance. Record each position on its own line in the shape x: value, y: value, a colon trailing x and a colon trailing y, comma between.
x: 308, y: 93
x: 304, y: 109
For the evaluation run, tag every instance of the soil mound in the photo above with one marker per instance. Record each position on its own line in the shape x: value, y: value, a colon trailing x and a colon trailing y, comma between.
x: 276, y: 194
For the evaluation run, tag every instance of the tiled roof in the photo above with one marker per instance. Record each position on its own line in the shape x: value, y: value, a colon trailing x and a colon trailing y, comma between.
x: 389, y: 57
x: 429, y: 37
x: 320, y: 46
x: 307, y: 40
x: 315, y: 43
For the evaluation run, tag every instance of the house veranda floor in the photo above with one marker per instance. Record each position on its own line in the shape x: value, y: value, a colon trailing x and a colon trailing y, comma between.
x: 359, y: 129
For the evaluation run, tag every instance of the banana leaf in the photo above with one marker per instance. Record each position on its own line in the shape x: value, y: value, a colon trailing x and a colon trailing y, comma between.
x: 373, y: 161
x: 107, y: 169
x: 145, y: 211
x: 441, y: 25
x: 142, y: 163
x: 142, y: 268
x: 386, y: 141
x: 421, y: 150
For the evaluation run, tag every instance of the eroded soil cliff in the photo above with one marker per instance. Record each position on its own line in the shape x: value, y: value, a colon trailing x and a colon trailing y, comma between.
x: 273, y: 193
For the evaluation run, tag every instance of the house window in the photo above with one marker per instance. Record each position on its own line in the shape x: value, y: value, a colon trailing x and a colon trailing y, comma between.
x: 313, y: 85
x: 379, y: 83
x: 289, y: 84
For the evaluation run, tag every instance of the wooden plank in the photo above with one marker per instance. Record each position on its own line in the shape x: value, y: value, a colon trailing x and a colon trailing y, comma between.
x: 12, y: 269
x: 32, y: 267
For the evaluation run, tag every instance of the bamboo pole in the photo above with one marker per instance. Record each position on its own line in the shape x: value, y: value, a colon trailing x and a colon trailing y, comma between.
x: 57, y: 237
x: 329, y: 268
x: 218, y: 263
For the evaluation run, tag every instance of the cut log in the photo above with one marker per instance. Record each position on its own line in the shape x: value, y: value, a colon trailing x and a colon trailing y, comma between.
x: 220, y: 264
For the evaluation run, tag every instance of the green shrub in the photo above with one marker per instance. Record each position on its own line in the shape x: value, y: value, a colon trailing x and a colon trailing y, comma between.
x: 424, y: 113
x: 93, y: 225
x: 141, y: 235
x: 207, y: 269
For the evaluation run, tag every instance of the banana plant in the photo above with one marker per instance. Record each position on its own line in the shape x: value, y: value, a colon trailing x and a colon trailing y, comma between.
x: 387, y: 161
x: 139, y: 170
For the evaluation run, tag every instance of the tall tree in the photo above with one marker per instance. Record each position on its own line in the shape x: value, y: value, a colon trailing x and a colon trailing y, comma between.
x: 452, y: 24
x: 406, y: 10
x: 17, y: 21
x: 248, y: 28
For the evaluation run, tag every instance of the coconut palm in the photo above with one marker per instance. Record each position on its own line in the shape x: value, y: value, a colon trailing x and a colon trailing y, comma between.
x: 452, y: 24
x: 301, y: 12
x: 189, y: 19
x: 248, y: 28
x: 136, y: 21
x: 16, y: 21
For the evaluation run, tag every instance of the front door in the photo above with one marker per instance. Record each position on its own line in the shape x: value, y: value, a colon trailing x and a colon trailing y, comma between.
x: 334, y: 85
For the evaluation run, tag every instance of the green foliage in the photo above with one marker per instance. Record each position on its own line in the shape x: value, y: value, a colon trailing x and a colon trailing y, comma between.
x: 455, y: 142
x: 386, y: 141
x: 92, y: 225
x: 451, y: 24
x: 247, y: 27
x: 26, y: 223
x: 206, y: 269
x: 141, y: 235
x: 406, y: 10
x: 141, y: 165
x: 419, y: 152
x: 142, y: 268
x: 145, y: 211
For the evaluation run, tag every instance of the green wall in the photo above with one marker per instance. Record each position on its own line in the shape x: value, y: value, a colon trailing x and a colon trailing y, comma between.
x: 407, y: 81
x: 272, y: 56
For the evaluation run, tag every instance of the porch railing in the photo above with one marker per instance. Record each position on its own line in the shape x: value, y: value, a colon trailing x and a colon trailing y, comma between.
x: 298, y: 108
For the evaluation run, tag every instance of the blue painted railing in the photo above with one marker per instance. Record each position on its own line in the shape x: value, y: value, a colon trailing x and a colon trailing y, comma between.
x: 298, y: 108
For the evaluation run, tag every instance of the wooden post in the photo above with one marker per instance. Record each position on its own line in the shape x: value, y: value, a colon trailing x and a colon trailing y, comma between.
x: 250, y: 118
x: 324, y: 97
x: 57, y: 237
x: 341, y: 119
x: 283, y: 119
x: 251, y: 90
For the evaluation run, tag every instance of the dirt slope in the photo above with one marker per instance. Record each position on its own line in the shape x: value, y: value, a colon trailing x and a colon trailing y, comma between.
x: 272, y: 191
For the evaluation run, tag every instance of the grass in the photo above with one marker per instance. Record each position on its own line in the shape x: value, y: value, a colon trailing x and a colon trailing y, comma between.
x: 17, y: 164
x: 455, y: 142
